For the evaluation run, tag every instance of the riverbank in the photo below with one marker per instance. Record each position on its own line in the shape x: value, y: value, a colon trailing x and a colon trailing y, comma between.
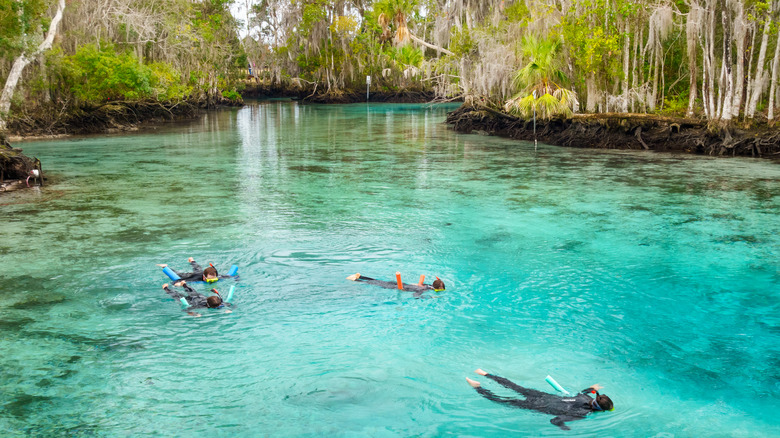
x: 310, y: 94
x: 109, y: 117
x: 17, y: 169
x: 624, y: 131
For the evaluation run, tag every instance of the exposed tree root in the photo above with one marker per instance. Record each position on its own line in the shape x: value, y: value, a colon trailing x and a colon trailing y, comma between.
x: 624, y: 131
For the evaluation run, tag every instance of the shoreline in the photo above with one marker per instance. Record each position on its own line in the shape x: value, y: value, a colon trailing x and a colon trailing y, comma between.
x: 256, y: 90
x: 622, y: 131
x: 625, y: 132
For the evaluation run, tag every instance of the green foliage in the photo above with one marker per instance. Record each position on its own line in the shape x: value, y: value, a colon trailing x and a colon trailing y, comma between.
x: 676, y: 104
x: 543, y: 73
x: 313, y: 13
x: 594, y: 48
x: 392, y: 8
x: 407, y: 56
x: 517, y: 12
x: 166, y: 83
x: 100, y: 74
x: 231, y: 95
x: 20, y: 20
x: 541, y: 82
x: 461, y: 42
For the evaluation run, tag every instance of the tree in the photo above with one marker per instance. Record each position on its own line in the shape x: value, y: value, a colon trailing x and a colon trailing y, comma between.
x: 24, y: 59
x: 541, y: 82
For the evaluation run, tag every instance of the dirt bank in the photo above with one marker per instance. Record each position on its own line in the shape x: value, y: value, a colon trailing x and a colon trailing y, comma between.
x: 624, y: 131
x: 108, y: 117
x: 309, y: 94
x: 15, y: 168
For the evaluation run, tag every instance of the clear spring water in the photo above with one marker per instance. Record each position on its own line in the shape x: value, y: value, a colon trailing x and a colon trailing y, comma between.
x: 654, y: 275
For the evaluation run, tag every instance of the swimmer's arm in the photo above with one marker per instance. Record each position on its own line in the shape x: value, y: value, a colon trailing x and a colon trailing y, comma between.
x: 189, y: 289
x: 591, y: 388
x: 561, y: 420
x: 171, y: 292
x: 195, y: 266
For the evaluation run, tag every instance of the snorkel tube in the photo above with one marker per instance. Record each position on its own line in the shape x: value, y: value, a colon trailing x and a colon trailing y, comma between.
x: 555, y: 385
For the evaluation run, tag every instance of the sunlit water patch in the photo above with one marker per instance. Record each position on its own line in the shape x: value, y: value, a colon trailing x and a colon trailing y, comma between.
x: 655, y: 275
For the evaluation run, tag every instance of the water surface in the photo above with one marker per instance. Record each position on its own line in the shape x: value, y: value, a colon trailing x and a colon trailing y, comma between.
x: 655, y: 275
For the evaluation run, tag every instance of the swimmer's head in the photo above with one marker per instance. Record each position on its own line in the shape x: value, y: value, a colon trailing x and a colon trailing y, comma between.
x: 213, y: 301
x: 438, y: 284
x: 602, y: 403
x: 210, y: 274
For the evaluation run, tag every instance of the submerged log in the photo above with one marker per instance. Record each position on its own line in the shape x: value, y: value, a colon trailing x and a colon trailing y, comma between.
x: 624, y: 131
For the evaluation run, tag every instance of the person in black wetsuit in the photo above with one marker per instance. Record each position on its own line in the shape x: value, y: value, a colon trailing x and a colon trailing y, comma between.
x: 209, y: 275
x: 194, y: 298
x: 565, y: 408
x: 418, y: 289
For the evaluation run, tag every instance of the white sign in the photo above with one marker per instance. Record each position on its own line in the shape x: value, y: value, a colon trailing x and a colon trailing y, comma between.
x: 368, y: 80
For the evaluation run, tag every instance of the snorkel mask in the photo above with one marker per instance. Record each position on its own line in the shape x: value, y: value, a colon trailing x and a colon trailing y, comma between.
x: 221, y: 301
x: 212, y: 280
x: 596, y: 406
x: 438, y: 290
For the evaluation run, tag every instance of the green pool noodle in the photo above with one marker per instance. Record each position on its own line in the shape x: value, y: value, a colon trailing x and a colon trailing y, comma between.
x: 184, y: 301
x: 555, y: 385
x: 230, y: 294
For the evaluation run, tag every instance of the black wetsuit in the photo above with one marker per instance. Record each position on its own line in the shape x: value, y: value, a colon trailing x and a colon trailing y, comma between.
x: 194, y: 298
x: 566, y: 408
x: 416, y: 288
x: 196, y: 274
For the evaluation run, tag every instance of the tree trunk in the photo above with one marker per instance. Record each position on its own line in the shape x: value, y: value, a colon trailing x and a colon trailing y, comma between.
x: 692, y: 36
x: 592, y: 91
x: 430, y: 46
x: 634, y: 70
x: 739, y: 78
x: 626, y: 59
x: 758, y: 80
x: 773, y: 87
x: 656, y: 67
x: 728, y: 92
x: 749, y: 55
x: 22, y: 61
x: 711, y: 55
x: 642, y: 82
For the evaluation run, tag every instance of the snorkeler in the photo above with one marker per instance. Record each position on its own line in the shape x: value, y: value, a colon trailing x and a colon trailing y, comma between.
x: 418, y: 289
x: 209, y: 275
x: 194, y: 299
x: 566, y: 408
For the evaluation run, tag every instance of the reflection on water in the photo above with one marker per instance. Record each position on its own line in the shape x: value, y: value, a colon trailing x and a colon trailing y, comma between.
x: 652, y: 274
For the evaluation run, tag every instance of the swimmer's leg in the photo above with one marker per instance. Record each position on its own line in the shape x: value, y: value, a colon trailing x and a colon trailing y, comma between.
x: 493, y: 397
x: 358, y: 277
x: 506, y: 383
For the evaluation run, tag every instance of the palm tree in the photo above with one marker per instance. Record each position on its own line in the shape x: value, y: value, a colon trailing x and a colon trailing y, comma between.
x: 540, y: 82
x: 397, y: 11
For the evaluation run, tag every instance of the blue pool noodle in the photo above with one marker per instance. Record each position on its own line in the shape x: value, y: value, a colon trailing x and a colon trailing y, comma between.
x: 230, y: 294
x: 172, y: 275
x: 233, y: 270
x: 555, y: 385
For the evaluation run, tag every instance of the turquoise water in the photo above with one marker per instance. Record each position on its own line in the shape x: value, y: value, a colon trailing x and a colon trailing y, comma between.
x: 655, y: 275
